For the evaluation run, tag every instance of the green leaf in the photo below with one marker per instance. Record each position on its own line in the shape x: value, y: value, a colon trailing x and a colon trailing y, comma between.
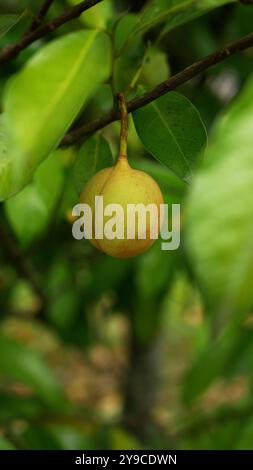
x: 9, y: 21
x: 37, y: 201
x: 97, y: 16
x: 219, y: 231
x: 220, y: 213
x: 130, y: 52
x: 174, y: 12
x: 124, y: 29
x: 23, y: 364
x: 187, y: 11
x: 172, y: 131
x: 94, y: 155
x: 41, y: 102
x: 156, y: 68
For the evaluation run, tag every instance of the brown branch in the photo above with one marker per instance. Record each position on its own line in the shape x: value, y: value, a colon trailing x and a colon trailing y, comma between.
x: 168, y: 85
x: 40, y: 16
x: 11, y: 51
x: 22, y: 265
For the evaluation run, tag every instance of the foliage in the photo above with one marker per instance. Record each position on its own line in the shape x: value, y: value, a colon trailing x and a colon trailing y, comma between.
x: 154, y: 351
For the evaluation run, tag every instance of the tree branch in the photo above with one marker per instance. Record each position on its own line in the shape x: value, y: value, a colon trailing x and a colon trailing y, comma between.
x: 40, y: 16
x: 11, y: 51
x: 168, y: 85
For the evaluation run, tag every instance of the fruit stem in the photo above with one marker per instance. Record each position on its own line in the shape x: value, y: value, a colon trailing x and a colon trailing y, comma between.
x: 124, y: 125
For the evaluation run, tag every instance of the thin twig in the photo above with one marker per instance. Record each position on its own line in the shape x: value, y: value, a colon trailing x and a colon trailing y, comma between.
x: 12, y: 50
x: 168, y: 85
x: 40, y: 16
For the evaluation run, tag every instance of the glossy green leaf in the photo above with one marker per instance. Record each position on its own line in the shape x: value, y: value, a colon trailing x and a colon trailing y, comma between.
x: 220, y: 213
x: 41, y: 102
x: 23, y: 364
x: 9, y: 21
x: 94, y: 155
x: 37, y: 201
x: 172, y: 131
x: 174, y: 12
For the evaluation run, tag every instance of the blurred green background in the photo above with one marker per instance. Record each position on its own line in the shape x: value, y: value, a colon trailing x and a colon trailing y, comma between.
x: 97, y: 353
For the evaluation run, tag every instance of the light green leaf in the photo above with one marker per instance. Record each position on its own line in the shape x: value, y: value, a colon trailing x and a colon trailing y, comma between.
x: 219, y: 231
x: 19, y: 362
x: 41, y: 102
x: 156, y: 68
x: 220, y: 213
x: 37, y: 201
x: 172, y: 131
x: 124, y: 29
x: 9, y: 21
x: 97, y: 16
x: 174, y: 12
x: 94, y: 155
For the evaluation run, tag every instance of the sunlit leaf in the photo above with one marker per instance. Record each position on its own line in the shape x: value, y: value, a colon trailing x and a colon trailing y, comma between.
x: 41, y: 102
x: 97, y: 16
x: 37, y: 201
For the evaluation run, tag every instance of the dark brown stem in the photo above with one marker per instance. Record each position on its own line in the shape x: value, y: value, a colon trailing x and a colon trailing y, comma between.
x: 168, y: 85
x: 124, y: 125
x: 40, y: 16
x: 11, y: 51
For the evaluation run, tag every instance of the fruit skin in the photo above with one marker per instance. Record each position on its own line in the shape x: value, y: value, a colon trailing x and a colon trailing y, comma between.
x: 123, y: 185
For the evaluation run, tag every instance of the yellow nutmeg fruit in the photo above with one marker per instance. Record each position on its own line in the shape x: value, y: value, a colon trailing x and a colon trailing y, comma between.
x: 134, y: 192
